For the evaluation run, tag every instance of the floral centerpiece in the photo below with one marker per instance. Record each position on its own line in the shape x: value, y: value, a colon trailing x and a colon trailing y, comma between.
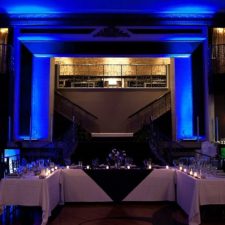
x: 117, y: 158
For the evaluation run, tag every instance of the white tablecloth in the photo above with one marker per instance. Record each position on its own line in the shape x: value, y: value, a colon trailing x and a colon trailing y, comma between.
x: 77, y: 186
x: 159, y: 185
x: 32, y: 191
x: 192, y: 193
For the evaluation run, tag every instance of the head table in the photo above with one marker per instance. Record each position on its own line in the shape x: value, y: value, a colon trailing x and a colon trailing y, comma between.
x: 102, y: 185
x: 118, y: 185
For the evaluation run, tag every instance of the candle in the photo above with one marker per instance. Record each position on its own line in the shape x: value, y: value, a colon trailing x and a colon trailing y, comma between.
x: 195, y: 174
x: 67, y: 167
x: 52, y: 169
x: 47, y: 172
x: 88, y: 167
x: 43, y: 172
x: 149, y: 166
x: 191, y: 172
x: 180, y: 168
x: 128, y: 167
x: 56, y: 167
x: 107, y: 167
x: 167, y: 167
x: 185, y: 170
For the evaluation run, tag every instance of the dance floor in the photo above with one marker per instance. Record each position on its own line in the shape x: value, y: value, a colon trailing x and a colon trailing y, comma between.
x: 154, y: 213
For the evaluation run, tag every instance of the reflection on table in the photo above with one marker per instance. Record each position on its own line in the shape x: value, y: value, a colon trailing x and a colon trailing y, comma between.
x: 32, y: 191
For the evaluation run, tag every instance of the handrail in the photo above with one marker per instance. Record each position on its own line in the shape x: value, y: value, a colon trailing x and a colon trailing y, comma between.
x: 148, y: 105
x: 74, y: 104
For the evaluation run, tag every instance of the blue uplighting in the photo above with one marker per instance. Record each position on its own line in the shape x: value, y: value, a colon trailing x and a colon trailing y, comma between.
x: 30, y: 9
x: 40, y: 38
x: 40, y: 98
x: 192, y: 9
x: 184, y: 98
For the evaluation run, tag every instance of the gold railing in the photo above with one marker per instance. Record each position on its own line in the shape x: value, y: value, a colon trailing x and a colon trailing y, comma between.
x: 112, y: 75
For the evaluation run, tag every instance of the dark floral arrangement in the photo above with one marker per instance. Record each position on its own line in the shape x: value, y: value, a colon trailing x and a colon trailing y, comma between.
x: 117, y: 158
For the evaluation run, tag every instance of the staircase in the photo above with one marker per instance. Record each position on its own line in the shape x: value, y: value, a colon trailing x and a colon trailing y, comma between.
x: 150, y: 112
x: 138, y: 147
x: 75, y: 113
x: 78, y: 119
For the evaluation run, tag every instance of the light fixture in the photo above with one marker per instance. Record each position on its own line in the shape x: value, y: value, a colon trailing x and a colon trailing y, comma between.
x: 3, y: 30
x: 219, y: 30
x: 112, y: 81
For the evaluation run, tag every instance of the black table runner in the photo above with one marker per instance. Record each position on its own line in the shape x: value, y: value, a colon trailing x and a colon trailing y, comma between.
x: 118, y: 183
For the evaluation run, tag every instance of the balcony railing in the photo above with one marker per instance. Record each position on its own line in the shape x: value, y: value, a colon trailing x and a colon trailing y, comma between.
x: 150, y: 112
x: 74, y: 112
x: 112, y: 76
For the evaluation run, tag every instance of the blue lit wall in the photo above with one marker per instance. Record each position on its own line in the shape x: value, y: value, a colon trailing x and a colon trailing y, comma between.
x: 184, y: 98
x: 40, y: 98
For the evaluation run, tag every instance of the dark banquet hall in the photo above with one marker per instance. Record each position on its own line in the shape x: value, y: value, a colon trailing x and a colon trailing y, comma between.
x: 112, y: 112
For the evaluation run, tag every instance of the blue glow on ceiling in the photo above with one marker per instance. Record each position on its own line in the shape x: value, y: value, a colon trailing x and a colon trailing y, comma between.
x: 71, y: 37
x: 191, y: 9
x: 185, y: 38
x: 30, y: 9
x: 115, y: 6
x: 39, y: 38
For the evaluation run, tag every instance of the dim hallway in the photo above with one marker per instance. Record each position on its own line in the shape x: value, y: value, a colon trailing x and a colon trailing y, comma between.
x: 154, y: 213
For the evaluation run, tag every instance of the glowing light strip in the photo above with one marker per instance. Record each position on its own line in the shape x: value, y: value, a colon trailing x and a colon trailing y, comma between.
x: 184, y: 98
x: 40, y: 98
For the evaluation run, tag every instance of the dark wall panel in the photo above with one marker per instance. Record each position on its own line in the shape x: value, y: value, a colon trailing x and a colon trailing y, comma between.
x: 198, y: 89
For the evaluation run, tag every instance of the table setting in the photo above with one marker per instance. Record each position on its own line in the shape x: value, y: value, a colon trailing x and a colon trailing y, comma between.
x: 32, y: 184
